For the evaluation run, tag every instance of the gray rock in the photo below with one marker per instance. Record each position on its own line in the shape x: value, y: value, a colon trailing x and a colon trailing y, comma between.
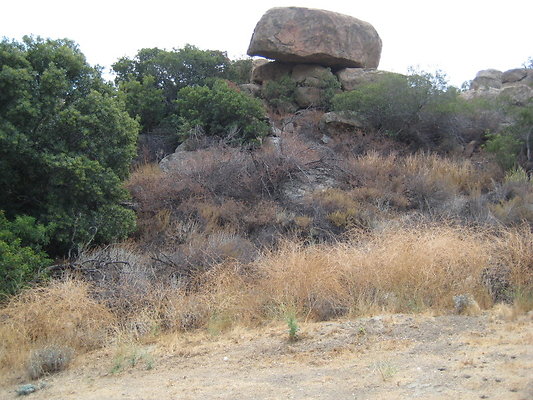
x: 518, y: 95
x: 488, y: 78
x: 340, y: 120
x: 306, y: 96
x: 311, y: 75
x: 351, y: 78
x: 514, y: 75
x: 270, y: 71
x: 304, y: 35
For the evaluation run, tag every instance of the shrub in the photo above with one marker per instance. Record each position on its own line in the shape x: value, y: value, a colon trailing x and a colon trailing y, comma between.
x: 240, y: 71
x: 222, y: 111
x: 21, y: 257
x: 514, y: 141
x: 418, y: 108
x: 279, y: 94
x: 152, y: 79
x: 66, y: 143
x: 48, y: 360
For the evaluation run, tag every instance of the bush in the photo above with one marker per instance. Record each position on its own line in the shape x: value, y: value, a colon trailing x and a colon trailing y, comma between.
x: 66, y: 143
x: 279, y: 94
x: 418, y: 108
x: 223, y: 111
x: 21, y: 256
x: 152, y: 79
x: 49, y: 360
x: 513, y: 143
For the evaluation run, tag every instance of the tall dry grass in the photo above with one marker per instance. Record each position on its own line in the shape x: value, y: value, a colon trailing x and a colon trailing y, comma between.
x: 62, y: 313
x: 395, y: 269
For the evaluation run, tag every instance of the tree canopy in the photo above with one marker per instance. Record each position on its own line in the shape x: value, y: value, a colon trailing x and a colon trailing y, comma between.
x: 151, y: 80
x: 66, y: 143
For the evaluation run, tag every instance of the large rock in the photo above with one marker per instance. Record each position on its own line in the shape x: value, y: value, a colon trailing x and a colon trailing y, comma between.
x: 333, y: 122
x: 270, y: 71
x: 488, y: 78
x: 311, y: 75
x: 351, y: 78
x: 303, y: 35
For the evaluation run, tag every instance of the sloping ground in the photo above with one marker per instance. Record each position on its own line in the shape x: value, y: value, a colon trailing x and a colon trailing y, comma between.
x: 384, y: 357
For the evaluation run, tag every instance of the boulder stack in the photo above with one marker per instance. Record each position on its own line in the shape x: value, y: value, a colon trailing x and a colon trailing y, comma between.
x: 314, y: 48
x: 515, y: 85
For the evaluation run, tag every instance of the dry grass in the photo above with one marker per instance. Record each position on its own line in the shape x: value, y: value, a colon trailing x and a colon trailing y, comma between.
x: 63, y: 313
x: 396, y: 269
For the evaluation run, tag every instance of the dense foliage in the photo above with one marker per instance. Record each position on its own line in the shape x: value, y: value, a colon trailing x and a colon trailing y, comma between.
x: 66, y: 144
x: 220, y: 110
x: 21, y: 254
x: 414, y: 108
x: 152, y: 79
x: 513, y: 144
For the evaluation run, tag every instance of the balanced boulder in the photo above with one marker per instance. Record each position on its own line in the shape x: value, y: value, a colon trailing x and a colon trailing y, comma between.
x: 310, y: 36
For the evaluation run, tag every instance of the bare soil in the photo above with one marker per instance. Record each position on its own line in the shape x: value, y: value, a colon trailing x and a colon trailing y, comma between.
x: 383, y: 357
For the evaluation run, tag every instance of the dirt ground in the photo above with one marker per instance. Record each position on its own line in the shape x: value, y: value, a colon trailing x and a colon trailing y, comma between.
x: 383, y: 357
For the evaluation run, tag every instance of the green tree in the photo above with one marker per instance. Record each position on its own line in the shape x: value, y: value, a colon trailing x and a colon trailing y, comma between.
x: 66, y: 143
x: 409, y: 108
x: 222, y: 111
x: 21, y: 255
x: 152, y: 79
x: 514, y: 141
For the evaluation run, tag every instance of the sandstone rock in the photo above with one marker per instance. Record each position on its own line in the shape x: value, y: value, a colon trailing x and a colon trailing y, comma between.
x: 270, y: 71
x: 303, y: 35
x: 489, y: 78
x: 518, y: 95
x: 332, y: 122
x: 306, y: 96
x: 351, y: 78
x: 514, y: 75
x: 311, y: 75
x: 488, y: 94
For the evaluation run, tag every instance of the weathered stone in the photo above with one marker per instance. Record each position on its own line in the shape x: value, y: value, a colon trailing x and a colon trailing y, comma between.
x: 303, y: 35
x: 484, y: 93
x: 306, y: 96
x: 270, y: 71
x: 351, y: 78
x: 332, y: 122
x: 514, y: 75
x: 518, y: 95
x: 311, y: 75
x: 489, y: 78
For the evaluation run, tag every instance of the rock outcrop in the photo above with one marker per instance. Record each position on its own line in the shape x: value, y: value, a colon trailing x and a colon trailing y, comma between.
x: 514, y: 85
x: 310, y: 36
x: 351, y: 78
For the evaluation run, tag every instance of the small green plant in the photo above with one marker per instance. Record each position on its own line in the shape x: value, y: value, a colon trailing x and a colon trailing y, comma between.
x: 292, y: 324
x: 518, y: 175
x: 131, y: 356
x: 385, y: 369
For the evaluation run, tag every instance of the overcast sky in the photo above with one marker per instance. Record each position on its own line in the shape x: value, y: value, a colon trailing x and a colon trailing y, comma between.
x: 458, y: 37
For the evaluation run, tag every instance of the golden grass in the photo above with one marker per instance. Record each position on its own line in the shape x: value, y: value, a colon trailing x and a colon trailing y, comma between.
x: 63, y: 313
x: 397, y: 269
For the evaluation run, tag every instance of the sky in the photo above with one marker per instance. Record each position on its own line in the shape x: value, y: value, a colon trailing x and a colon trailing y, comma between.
x: 459, y: 38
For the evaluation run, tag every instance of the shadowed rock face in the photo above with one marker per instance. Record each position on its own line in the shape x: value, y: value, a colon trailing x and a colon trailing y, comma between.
x: 303, y: 35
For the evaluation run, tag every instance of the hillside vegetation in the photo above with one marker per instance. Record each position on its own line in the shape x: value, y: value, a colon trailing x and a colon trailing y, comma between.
x: 265, y: 213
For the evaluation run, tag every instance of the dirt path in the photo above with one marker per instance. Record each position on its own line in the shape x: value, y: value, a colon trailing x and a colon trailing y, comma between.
x: 384, y: 357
